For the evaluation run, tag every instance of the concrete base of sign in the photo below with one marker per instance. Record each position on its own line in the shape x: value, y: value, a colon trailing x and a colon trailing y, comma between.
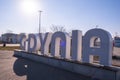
x: 93, y: 71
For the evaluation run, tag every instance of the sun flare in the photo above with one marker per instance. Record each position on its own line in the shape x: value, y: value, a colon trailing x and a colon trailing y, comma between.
x: 29, y: 6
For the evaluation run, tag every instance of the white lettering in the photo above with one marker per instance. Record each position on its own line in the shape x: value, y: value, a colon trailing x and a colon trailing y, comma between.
x: 77, y: 47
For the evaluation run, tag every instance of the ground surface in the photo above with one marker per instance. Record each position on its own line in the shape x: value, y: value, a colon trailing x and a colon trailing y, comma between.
x: 12, y: 68
x: 6, y: 66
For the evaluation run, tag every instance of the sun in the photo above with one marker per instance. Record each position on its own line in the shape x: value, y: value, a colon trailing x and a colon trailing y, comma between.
x: 29, y: 6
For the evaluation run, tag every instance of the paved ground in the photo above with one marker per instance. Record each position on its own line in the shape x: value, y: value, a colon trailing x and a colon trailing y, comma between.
x: 10, y: 44
x: 12, y: 68
x: 116, y: 51
x: 6, y: 67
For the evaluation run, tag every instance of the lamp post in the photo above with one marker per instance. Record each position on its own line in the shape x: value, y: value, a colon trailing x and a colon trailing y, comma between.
x: 40, y: 21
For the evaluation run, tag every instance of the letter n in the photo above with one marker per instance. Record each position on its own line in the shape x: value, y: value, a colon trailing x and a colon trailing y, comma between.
x: 60, y: 45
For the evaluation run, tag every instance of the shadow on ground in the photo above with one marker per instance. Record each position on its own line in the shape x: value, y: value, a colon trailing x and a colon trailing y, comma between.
x: 39, y: 71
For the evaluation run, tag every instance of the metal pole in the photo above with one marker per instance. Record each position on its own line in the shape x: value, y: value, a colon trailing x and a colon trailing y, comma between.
x: 40, y: 21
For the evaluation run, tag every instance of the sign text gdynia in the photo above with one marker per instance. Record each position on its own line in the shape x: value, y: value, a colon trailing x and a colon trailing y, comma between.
x: 75, y: 47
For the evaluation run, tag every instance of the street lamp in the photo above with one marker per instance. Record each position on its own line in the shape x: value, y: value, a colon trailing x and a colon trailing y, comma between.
x: 40, y: 21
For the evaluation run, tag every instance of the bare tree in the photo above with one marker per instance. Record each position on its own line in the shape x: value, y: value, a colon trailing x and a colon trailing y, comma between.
x: 55, y: 28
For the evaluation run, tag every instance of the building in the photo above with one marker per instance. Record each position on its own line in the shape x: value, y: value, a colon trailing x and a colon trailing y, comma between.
x: 9, y: 38
x: 117, y: 41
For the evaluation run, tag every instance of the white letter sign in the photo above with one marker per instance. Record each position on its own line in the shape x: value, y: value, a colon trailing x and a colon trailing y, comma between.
x: 105, y: 49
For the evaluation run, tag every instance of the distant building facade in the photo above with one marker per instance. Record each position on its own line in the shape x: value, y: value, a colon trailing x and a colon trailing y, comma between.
x: 117, y: 41
x: 10, y: 38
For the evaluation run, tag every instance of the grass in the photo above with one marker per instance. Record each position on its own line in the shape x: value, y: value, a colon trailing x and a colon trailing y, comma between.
x: 10, y: 48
